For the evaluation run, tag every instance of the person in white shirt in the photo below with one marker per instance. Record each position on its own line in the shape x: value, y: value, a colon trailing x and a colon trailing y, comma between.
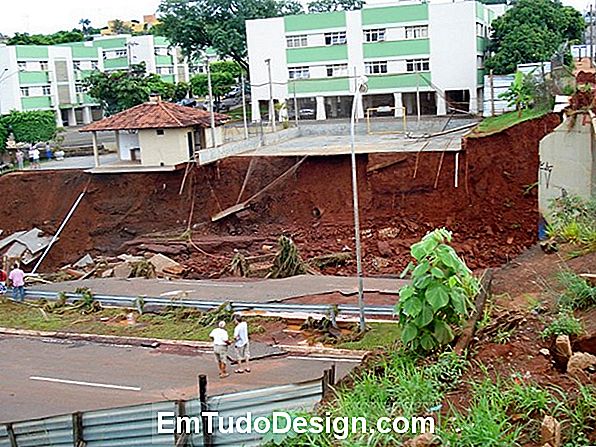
x: 241, y: 344
x: 35, y: 158
x: 220, y: 347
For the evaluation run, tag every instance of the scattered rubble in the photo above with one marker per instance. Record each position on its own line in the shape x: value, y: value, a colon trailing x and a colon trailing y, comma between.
x: 25, y: 246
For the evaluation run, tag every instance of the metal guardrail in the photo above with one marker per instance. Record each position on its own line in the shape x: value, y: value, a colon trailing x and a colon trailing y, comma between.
x: 137, y: 425
x: 130, y: 301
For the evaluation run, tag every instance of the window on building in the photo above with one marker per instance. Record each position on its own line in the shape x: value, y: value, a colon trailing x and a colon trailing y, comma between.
x: 160, y: 132
x: 414, y: 65
x: 165, y: 70
x: 94, y: 65
x: 338, y: 38
x: 376, y: 67
x: 79, y: 88
x: 120, y: 53
x: 46, y: 90
x: 480, y: 61
x: 43, y: 65
x: 296, y: 41
x: 22, y: 66
x: 24, y: 91
x: 417, y: 32
x: 76, y: 65
x: 374, y: 35
x: 161, y: 51
x: 480, y: 30
x: 337, y: 70
x: 299, y: 73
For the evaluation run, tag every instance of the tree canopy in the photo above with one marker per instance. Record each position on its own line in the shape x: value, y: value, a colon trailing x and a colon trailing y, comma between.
x: 46, y: 39
x: 123, y: 89
x: 224, y: 76
x: 195, y: 25
x: 335, y: 5
x: 532, y: 31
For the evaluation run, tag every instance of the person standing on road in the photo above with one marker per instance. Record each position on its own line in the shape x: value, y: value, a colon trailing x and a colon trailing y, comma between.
x: 48, y: 150
x: 17, y: 280
x: 220, y: 347
x: 20, y: 159
x: 242, y: 344
x: 35, y: 158
x: 3, y: 279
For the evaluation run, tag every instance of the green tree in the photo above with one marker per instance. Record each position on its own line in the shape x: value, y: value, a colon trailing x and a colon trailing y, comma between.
x: 120, y: 90
x: 119, y: 27
x: 31, y: 126
x: 532, y: 31
x: 519, y: 93
x: 46, y: 39
x: 335, y: 5
x: 439, y: 296
x: 221, y: 83
x: 3, y: 134
x: 195, y: 25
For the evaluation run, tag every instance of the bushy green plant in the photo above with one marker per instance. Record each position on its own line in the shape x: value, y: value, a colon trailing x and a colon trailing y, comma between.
x: 439, y: 296
x: 33, y: 126
x: 578, y: 293
x: 564, y: 324
x: 3, y: 134
x: 573, y: 219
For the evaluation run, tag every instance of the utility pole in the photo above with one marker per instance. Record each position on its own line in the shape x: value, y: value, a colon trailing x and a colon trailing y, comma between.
x: 295, y: 104
x: 244, y: 106
x: 271, y: 108
x: 417, y: 94
x: 492, y: 93
x: 212, y: 104
x: 360, y: 87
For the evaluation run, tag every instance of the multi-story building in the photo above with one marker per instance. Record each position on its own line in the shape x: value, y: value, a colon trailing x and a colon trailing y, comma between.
x: 50, y: 77
x: 411, y: 52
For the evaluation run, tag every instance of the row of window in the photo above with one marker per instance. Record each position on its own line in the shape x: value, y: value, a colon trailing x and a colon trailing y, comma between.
x: 46, y: 90
x: 370, y: 68
x: 43, y: 65
x: 77, y: 65
x: 370, y: 35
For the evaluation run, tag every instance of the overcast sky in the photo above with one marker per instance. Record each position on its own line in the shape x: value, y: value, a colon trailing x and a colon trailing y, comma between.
x: 46, y: 16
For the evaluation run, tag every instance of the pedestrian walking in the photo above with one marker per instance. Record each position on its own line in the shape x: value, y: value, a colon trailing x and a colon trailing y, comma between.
x: 48, y: 151
x: 3, y: 279
x: 20, y: 159
x: 17, y: 281
x: 35, y: 158
x: 241, y: 344
x: 220, y: 348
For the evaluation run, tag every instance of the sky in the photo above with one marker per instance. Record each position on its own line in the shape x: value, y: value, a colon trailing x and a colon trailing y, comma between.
x: 47, y: 16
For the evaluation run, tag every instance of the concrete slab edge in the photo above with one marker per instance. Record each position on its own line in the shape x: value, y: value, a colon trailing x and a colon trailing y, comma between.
x: 314, y: 351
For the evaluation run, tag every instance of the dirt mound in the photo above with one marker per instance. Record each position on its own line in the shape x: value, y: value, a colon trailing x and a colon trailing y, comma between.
x: 493, y: 211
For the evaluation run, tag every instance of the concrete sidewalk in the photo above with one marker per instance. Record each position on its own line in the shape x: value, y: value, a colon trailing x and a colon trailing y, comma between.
x: 258, y: 291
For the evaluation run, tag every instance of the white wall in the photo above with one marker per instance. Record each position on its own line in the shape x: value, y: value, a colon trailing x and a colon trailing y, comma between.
x: 354, y: 37
x: 169, y: 149
x: 265, y: 38
x: 143, y: 51
x: 452, y: 32
x: 567, y: 161
x: 219, y: 136
x: 10, y: 94
x: 62, y: 54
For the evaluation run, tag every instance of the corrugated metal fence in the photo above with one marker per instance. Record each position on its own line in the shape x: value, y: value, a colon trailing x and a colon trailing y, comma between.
x: 137, y: 425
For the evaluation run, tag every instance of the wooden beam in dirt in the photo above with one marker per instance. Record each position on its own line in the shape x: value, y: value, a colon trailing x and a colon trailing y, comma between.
x: 243, y: 205
x: 468, y: 333
x: 386, y: 164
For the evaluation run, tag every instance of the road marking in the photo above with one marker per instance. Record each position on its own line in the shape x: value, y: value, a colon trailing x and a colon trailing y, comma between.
x: 326, y: 359
x: 91, y: 384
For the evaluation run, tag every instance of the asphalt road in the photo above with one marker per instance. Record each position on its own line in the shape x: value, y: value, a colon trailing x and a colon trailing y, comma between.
x: 261, y: 291
x: 34, y: 375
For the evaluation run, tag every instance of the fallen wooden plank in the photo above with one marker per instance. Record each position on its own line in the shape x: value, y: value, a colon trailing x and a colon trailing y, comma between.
x: 386, y: 164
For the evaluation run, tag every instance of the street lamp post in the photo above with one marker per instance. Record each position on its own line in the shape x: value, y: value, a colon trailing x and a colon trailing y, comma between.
x: 212, y: 104
x: 361, y: 87
x: 271, y: 108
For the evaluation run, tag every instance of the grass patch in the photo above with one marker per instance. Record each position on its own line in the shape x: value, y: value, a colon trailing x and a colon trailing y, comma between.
x: 495, y: 124
x: 177, y: 324
x: 379, y: 335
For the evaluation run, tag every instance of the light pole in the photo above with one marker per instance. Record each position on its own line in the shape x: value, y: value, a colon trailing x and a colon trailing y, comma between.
x: 271, y: 108
x: 212, y: 104
x: 361, y: 87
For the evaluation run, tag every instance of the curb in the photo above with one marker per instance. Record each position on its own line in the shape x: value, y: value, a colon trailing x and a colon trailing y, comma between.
x: 155, y: 342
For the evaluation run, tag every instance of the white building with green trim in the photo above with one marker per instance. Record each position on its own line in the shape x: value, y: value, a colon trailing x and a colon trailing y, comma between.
x: 412, y: 53
x: 49, y: 77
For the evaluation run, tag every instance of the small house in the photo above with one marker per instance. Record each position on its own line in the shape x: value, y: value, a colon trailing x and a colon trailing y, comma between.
x: 159, y: 134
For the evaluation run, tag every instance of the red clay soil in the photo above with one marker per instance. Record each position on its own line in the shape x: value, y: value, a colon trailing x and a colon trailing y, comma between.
x: 492, y: 215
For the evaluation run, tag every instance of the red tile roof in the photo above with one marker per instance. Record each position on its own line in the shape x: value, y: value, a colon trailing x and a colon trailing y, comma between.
x: 156, y: 115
